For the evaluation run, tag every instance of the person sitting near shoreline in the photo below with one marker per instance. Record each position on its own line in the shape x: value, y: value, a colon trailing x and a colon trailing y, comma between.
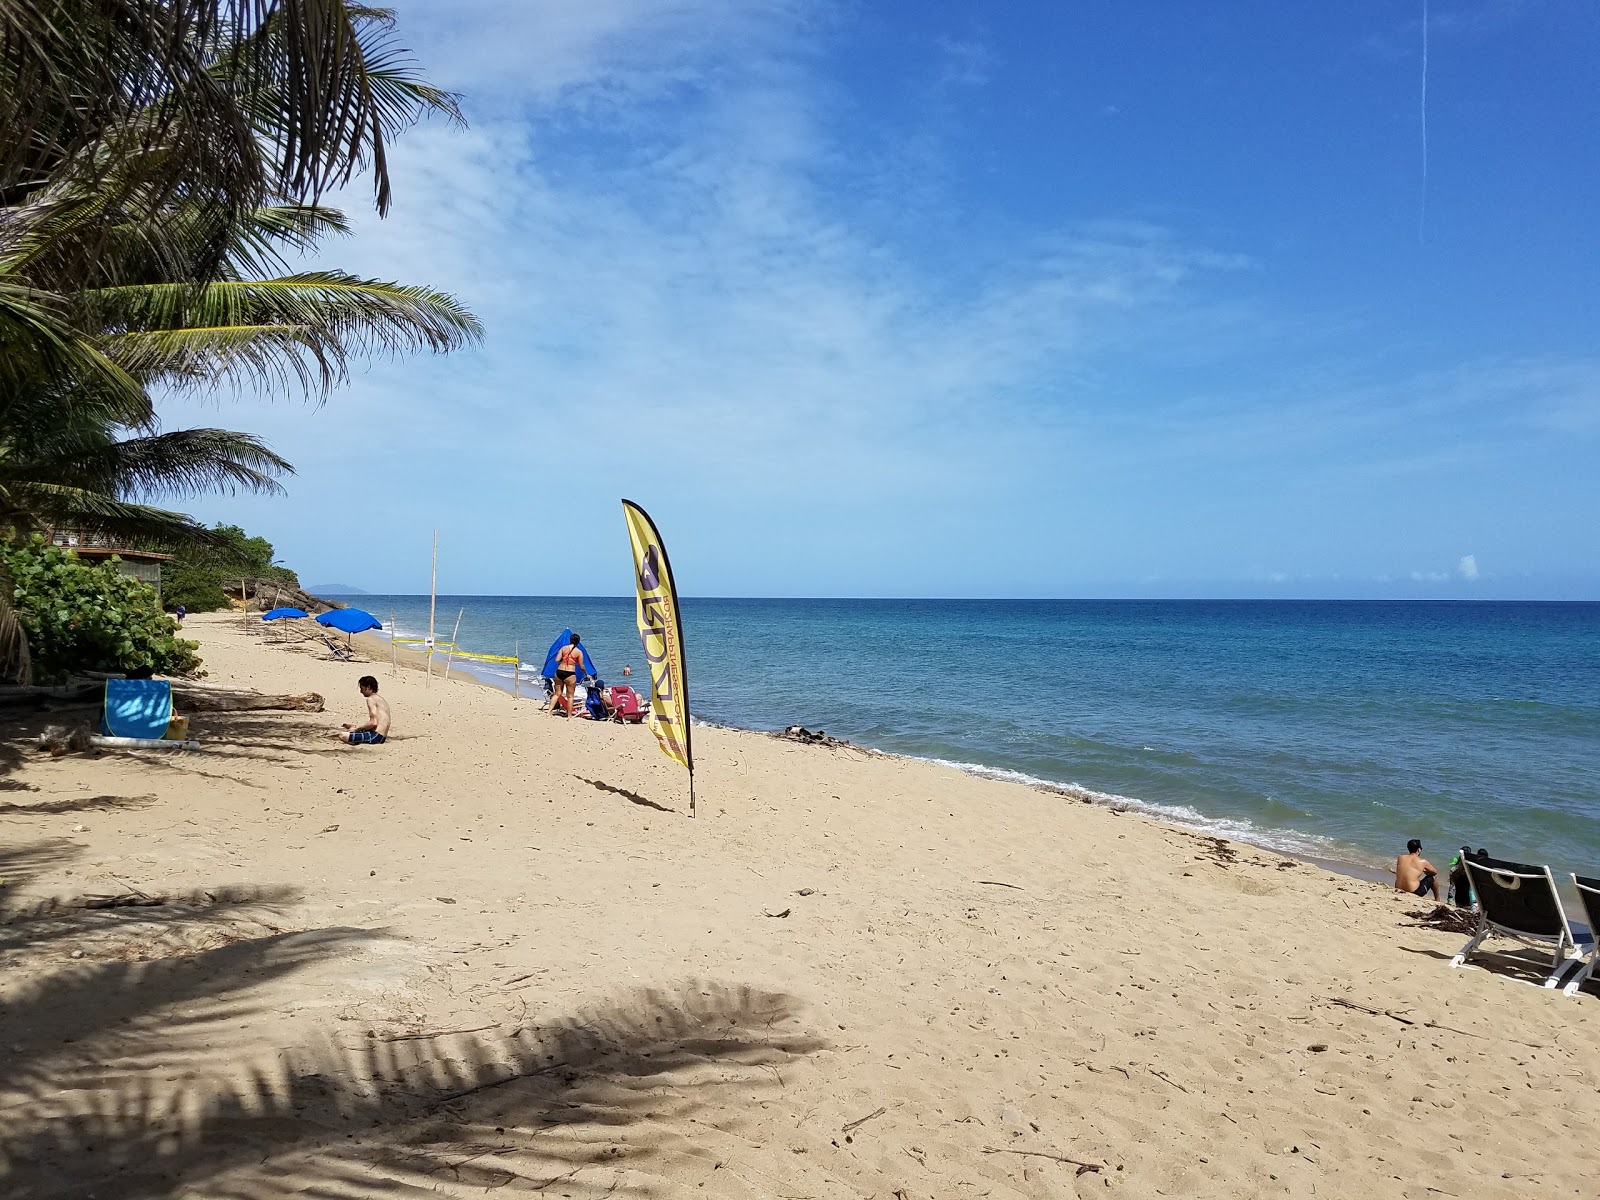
x: 1415, y: 874
x: 375, y: 731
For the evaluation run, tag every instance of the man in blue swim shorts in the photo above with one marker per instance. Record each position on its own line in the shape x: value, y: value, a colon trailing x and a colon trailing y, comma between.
x: 375, y: 731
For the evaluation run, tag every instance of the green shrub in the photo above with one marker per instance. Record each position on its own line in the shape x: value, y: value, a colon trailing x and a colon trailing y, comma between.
x: 79, y: 617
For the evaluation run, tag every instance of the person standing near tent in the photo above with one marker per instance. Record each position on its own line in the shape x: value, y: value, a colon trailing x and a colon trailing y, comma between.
x: 569, y: 661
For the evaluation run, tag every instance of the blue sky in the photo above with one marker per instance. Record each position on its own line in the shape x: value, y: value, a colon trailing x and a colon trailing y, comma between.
x: 1108, y: 298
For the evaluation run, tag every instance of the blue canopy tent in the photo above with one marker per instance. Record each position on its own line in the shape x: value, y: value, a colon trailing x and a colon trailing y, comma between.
x: 137, y: 708
x: 284, y: 614
x: 562, y: 639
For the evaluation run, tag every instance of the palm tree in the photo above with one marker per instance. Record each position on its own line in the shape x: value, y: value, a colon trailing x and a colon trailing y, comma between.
x: 249, y: 97
x: 79, y: 439
x: 171, y: 151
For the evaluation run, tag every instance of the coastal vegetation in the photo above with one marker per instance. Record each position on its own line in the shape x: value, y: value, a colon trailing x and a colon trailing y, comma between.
x: 81, y: 616
x: 162, y: 167
x: 195, y: 576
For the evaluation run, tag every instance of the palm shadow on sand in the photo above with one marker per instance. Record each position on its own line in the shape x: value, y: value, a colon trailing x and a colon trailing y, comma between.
x: 121, y: 1080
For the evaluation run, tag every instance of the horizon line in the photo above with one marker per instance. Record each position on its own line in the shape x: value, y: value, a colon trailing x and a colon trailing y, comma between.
x: 993, y: 599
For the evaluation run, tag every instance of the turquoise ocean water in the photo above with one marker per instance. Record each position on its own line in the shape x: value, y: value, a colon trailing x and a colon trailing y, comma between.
x: 1328, y: 728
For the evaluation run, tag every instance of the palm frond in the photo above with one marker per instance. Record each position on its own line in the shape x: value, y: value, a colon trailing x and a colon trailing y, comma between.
x: 185, y: 462
x: 239, y: 97
x: 38, y: 344
x: 15, y: 661
x: 55, y: 504
x: 302, y: 328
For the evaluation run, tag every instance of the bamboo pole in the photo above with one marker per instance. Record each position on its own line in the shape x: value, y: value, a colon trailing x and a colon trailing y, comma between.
x: 452, y: 651
x: 516, y: 669
x: 433, y: 599
x: 394, y: 655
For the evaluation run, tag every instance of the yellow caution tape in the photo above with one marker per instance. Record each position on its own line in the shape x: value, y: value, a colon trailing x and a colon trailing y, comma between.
x: 449, y: 647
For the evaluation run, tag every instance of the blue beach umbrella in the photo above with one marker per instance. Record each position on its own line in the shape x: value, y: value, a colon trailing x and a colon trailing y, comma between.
x: 349, y: 620
x: 284, y: 613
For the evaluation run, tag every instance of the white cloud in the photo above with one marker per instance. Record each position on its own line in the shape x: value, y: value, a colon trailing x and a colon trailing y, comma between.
x: 968, y: 62
x: 686, y: 248
x: 1428, y: 576
x: 1467, y: 568
x: 702, y: 271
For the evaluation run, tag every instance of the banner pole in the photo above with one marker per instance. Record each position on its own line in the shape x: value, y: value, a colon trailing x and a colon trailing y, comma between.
x: 516, y: 669
x: 394, y: 655
x: 452, y: 652
x: 433, y: 600
x: 691, y: 794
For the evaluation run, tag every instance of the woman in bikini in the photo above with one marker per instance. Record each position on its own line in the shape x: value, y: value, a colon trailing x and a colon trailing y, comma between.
x: 569, y: 661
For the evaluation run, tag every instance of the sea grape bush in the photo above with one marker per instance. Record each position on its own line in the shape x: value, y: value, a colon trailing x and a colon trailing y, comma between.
x: 82, y: 617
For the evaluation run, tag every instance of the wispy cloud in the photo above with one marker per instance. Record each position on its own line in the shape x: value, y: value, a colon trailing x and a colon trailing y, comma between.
x: 967, y: 62
x: 664, y: 215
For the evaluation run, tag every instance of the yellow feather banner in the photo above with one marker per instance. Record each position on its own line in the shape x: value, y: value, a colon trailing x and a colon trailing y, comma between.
x: 661, y: 633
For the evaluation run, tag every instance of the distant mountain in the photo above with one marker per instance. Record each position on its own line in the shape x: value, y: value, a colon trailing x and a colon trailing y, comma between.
x: 337, y: 589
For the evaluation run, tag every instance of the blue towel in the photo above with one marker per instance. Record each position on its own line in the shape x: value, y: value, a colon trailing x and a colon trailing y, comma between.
x: 137, y: 708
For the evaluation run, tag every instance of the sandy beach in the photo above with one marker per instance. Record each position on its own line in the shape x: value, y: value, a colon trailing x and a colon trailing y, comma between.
x: 496, y: 955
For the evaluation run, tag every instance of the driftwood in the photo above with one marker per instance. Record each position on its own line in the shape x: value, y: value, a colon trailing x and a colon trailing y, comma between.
x: 185, y: 698
x: 1060, y: 1158
x: 860, y: 1121
x: 39, y: 697
x: 190, y: 699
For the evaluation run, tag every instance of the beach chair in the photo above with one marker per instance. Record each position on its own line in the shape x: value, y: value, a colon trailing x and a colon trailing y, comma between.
x: 137, y: 708
x: 1589, y: 897
x: 342, y: 653
x: 1520, y: 902
x: 625, y: 706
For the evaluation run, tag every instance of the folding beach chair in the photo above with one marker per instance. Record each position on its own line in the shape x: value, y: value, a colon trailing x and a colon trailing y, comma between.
x: 137, y: 708
x: 1589, y: 896
x: 625, y: 706
x: 1520, y: 902
x: 339, y: 652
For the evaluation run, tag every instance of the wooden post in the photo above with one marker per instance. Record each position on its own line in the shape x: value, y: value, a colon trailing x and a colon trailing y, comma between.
x: 452, y: 652
x: 433, y: 599
x: 394, y: 655
x: 244, y: 603
x: 516, y: 670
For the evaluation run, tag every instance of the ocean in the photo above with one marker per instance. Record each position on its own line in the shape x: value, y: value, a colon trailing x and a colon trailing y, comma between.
x: 1329, y: 729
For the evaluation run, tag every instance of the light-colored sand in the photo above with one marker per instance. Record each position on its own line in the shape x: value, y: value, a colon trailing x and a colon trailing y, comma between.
x: 661, y: 1011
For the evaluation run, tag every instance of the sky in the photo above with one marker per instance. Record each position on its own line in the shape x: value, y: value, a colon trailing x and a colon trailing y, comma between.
x: 995, y: 298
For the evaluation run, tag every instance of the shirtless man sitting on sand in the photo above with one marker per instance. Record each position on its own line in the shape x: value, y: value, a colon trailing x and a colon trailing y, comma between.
x: 375, y: 731
x: 1415, y: 874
